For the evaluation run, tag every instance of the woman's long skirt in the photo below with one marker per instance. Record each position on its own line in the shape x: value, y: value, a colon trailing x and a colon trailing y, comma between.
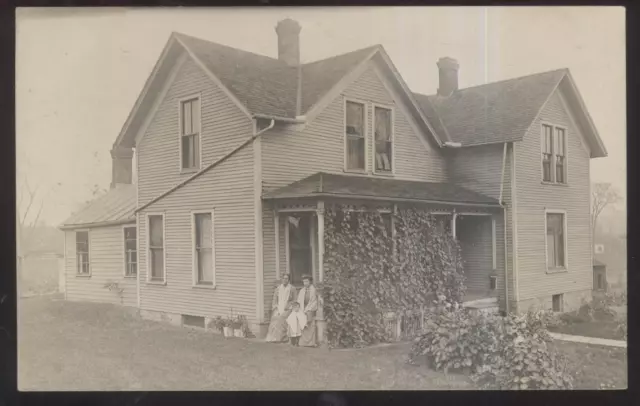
x: 308, y: 338
x: 277, y: 332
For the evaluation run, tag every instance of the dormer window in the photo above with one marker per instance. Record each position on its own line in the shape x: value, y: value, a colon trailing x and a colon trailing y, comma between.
x: 190, y: 133
x: 554, y: 160
x: 355, y: 136
x: 383, y: 140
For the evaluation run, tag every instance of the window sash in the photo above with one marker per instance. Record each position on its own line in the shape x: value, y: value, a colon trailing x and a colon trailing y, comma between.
x: 556, y: 255
x: 383, y: 139
x: 82, y: 252
x: 156, y: 247
x: 553, y: 154
x: 204, y: 248
x: 130, y: 251
x: 355, y: 135
x: 190, y: 151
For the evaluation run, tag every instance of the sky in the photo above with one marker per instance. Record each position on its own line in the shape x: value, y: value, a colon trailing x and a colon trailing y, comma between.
x: 79, y: 71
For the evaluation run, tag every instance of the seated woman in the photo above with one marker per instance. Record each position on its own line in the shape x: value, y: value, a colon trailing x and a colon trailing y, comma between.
x: 308, y: 299
x: 283, y: 298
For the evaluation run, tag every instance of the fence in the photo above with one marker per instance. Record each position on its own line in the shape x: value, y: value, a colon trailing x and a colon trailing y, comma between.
x: 404, y: 325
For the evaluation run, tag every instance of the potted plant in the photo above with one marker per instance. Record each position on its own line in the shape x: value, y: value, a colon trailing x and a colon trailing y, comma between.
x: 237, y: 324
x: 218, y: 324
x: 227, y: 329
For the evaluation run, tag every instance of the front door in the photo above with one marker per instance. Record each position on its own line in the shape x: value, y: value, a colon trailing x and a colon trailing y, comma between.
x: 300, y: 252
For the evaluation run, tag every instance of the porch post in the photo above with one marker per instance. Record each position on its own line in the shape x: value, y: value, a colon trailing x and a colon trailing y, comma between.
x: 453, y: 224
x: 320, y: 213
x: 276, y: 225
x: 320, y: 322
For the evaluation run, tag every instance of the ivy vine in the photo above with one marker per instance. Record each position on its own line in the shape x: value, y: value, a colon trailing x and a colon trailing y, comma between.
x: 378, y: 262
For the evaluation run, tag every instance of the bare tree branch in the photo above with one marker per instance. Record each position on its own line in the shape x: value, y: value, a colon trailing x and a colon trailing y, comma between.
x: 602, y: 195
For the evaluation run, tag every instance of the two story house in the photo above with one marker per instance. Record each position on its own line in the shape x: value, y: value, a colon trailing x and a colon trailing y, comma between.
x: 236, y: 157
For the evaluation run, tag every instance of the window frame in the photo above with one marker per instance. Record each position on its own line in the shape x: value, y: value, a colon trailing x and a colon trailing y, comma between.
x: 124, y: 245
x: 194, y: 265
x: 365, y: 131
x: 560, y: 297
x: 565, y: 233
x: 554, y: 128
x: 75, y: 234
x: 148, y: 249
x: 198, y: 158
x: 392, y: 138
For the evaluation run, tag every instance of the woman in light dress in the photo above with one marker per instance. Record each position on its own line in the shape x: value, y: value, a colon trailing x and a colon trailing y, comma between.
x: 308, y: 299
x: 283, y: 298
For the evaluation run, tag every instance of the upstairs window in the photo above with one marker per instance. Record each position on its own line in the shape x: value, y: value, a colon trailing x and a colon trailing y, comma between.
x: 156, y: 247
x: 203, y: 248
x: 554, y: 164
x: 190, y: 133
x: 383, y: 140
x: 82, y: 253
x: 130, y: 252
x: 355, y: 136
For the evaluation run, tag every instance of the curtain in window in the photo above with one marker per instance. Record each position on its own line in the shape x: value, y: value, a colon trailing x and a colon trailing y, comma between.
x: 555, y: 240
x: 383, y: 139
x: 204, y: 248
x: 355, y: 136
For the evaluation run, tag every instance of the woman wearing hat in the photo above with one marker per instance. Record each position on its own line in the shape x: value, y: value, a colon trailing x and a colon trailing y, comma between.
x: 308, y: 299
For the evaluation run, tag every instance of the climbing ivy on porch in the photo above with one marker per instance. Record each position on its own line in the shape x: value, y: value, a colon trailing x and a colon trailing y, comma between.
x: 379, y: 262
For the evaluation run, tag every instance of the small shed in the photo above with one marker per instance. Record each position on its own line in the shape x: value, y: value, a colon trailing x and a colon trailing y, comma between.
x: 599, y: 276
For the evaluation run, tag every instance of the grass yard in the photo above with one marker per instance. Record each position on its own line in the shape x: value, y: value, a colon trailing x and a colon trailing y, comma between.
x: 601, y: 325
x: 82, y: 346
x: 595, y: 367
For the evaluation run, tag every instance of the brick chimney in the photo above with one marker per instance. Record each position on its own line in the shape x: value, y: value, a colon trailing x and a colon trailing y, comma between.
x: 288, y: 31
x: 448, y: 72
x: 121, y: 170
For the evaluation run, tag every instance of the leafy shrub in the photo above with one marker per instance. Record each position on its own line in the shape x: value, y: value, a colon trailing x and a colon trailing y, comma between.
x: 371, y: 269
x: 501, y: 352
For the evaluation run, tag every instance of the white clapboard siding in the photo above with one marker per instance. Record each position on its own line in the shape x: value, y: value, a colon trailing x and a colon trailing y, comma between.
x: 227, y: 188
x: 106, y: 256
x: 532, y: 199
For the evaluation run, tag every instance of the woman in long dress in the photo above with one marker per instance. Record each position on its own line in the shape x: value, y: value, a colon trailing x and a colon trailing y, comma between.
x: 283, y: 298
x: 308, y: 299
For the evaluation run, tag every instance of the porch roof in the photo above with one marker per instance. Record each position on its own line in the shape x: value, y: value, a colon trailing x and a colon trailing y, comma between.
x: 363, y: 187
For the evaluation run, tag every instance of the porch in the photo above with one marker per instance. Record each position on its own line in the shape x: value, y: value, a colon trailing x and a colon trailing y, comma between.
x: 298, y: 227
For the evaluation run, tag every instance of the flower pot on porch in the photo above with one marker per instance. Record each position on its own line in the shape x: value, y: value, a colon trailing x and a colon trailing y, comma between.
x: 227, y: 332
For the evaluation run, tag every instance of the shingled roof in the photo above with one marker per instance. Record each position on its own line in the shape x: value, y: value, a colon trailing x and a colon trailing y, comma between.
x: 491, y: 113
x: 116, y: 206
x: 345, y: 186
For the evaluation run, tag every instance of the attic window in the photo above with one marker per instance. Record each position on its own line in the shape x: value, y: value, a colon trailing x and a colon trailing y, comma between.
x: 355, y: 136
x: 383, y: 139
x: 190, y: 133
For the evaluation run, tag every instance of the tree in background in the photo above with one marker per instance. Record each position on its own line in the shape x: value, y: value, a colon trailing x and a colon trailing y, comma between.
x: 602, y: 195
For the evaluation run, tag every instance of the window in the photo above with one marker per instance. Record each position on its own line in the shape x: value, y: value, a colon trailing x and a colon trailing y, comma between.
x: 355, y: 136
x: 190, y: 133
x: 493, y: 282
x: 203, y: 248
x: 156, y: 247
x: 556, y: 252
x: 383, y: 140
x: 547, y: 153
x: 554, y: 162
x: 82, y: 253
x: 556, y: 303
x: 130, y: 252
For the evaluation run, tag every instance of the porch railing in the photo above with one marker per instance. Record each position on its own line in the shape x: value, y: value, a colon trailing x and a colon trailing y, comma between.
x: 404, y: 325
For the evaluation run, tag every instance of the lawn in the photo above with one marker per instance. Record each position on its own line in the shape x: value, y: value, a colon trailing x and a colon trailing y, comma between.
x: 600, y: 325
x: 81, y: 346
x: 595, y: 367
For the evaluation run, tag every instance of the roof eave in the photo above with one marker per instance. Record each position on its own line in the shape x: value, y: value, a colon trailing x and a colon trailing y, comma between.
x: 381, y: 198
x: 67, y: 227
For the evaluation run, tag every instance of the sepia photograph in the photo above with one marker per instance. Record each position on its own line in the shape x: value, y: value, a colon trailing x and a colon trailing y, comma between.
x: 321, y: 198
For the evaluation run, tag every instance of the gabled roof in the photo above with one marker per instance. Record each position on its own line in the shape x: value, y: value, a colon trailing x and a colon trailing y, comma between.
x: 115, y: 207
x: 345, y: 186
x: 503, y: 111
